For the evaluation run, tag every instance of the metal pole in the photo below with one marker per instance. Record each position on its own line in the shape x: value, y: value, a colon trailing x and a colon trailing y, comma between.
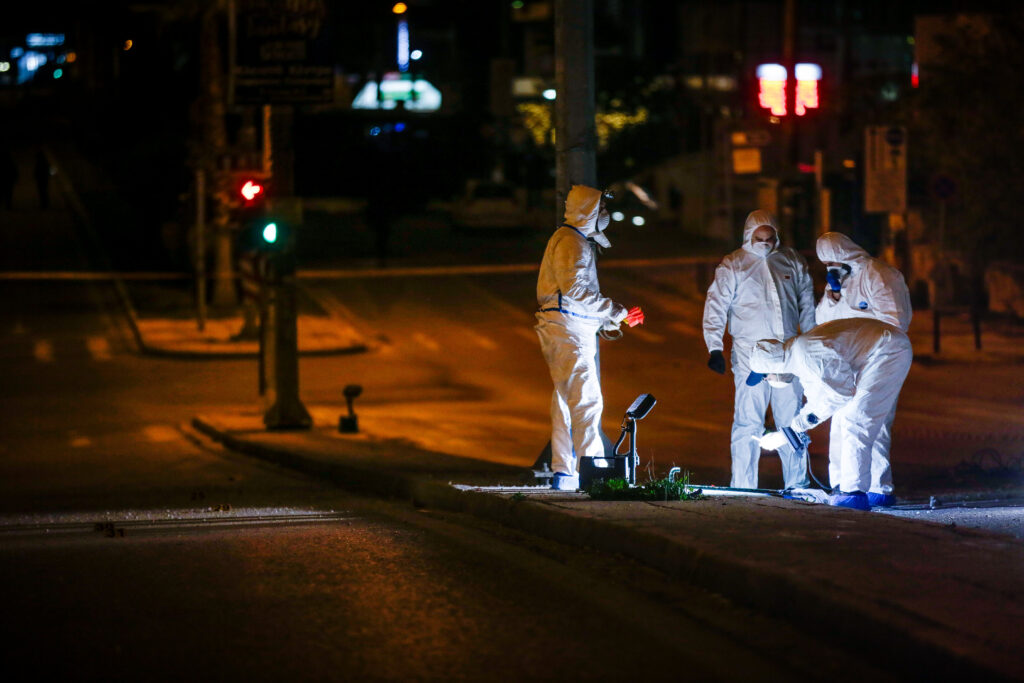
x: 727, y: 177
x: 281, y: 349
x: 201, y: 249
x: 281, y: 343
x: 789, y: 122
x: 976, y: 324
x: 576, y: 140
x: 819, y: 186
x: 942, y: 226
x: 268, y: 141
x: 232, y: 50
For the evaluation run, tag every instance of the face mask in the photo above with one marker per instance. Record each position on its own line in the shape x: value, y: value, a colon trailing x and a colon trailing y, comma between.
x: 762, y: 249
x: 834, y: 276
x: 598, y: 236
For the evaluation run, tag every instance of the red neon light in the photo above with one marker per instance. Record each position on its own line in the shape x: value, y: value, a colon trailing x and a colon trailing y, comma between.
x: 773, y: 96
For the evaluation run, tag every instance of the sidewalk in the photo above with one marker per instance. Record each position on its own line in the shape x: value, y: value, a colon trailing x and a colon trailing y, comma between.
x: 164, y: 322
x: 927, y: 599
x: 317, y: 336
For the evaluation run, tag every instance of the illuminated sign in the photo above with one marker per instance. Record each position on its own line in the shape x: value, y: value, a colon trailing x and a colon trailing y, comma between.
x: 44, y: 39
x: 772, y: 94
x: 418, y: 95
x: 771, y: 79
x: 403, y: 45
x: 807, y: 77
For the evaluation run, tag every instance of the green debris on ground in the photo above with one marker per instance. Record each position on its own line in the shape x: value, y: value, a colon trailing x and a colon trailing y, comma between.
x: 659, y: 489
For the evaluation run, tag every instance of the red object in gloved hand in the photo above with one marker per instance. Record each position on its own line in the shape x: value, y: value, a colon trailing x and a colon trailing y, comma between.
x: 635, y: 317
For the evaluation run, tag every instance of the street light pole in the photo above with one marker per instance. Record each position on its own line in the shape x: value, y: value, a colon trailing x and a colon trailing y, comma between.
x: 576, y: 139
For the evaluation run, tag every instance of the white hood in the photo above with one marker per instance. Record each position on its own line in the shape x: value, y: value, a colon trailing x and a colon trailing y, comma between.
x: 756, y: 219
x: 768, y: 356
x: 835, y: 247
x: 582, y: 207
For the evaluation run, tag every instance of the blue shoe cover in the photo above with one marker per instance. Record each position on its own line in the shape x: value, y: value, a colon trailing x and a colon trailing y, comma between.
x: 881, y: 500
x: 855, y: 501
x: 565, y: 482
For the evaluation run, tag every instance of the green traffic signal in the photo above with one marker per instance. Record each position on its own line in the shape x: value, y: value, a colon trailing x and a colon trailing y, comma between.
x: 270, y: 233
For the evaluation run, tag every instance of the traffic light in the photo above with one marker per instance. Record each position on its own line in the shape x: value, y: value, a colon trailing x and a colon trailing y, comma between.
x: 269, y: 233
x: 251, y: 190
x: 258, y: 229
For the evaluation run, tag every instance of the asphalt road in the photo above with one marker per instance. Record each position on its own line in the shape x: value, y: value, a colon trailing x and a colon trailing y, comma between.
x: 132, y: 549
x: 366, y: 593
x: 457, y: 368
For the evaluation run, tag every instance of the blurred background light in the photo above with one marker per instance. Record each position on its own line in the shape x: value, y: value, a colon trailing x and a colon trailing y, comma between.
x: 44, y: 39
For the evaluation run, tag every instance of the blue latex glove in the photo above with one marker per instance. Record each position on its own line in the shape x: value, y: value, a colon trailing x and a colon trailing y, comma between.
x: 832, y: 277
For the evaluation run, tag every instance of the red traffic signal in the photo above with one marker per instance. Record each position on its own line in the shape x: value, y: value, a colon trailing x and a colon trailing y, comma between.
x: 251, y: 190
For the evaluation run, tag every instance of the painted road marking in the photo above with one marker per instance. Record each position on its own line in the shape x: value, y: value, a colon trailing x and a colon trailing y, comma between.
x: 649, y: 337
x: 698, y: 425
x: 349, y: 274
x: 480, y: 340
x: 161, y: 433
x: 685, y: 329
x: 426, y: 342
x: 99, y: 348
x: 527, y: 333
x: 43, y: 351
x: 429, y: 271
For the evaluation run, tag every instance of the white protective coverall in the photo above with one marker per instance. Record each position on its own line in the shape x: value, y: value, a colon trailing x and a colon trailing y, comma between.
x: 873, y: 289
x: 759, y: 297
x: 570, y: 313
x: 851, y: 370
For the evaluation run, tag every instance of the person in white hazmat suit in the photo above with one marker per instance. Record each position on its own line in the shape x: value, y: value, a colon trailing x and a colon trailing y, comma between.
x: 571, y: 311
x: 859, y: 286
x: 851, y: 370
x: 761, y: 291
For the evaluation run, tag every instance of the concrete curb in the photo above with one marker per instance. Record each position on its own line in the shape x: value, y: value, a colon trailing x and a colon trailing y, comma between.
x: 884, y: 628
